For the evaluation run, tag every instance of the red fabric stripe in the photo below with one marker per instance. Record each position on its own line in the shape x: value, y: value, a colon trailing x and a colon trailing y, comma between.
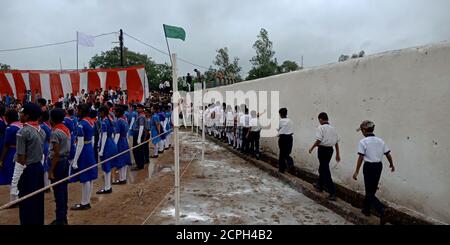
x: 112, y: 80
x: 35, y: 84
x: 5, y: 88
x: 75, y: 81
x: 134, y: 86
x: 56, y: 87
x: 93, y: 81
x: 20, y: 85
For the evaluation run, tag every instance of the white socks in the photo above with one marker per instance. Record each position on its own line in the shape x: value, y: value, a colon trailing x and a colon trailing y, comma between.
x: 123, y: 173
x: 161, y: 145
x: 155, y: 149
x: 86, y: 192
x: 107, y: 179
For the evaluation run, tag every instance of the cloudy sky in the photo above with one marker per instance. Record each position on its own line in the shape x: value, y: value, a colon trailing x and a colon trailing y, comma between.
x: 320, y: 30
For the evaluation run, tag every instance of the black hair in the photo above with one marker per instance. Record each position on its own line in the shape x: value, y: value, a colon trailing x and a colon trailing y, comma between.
x: 323, y: 116
x: 370, y: 130
x: 70, y: 112
x: 45, y: 116
x: 59, y: 105
x: 283, y: 112
x: 2, y: 110
x: 246, y: 110
x: 12, y: 116
x: 42, y: 102
x: 119, y: 111
x: 93, y: 114
x: 57, y: 115
x: 103, y: 109
x: 84, y: 110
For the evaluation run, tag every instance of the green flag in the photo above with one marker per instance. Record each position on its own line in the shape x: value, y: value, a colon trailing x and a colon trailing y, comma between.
x: 174, y: 32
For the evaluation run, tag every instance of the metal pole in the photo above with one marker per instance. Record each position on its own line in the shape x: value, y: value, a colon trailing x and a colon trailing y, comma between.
x: 176, y: 143
x: 77, y: 51
x: 168, y: 47
x: 203, y: 131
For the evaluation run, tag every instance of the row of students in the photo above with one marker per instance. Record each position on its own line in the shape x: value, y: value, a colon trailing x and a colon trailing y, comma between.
x: 371, y: 150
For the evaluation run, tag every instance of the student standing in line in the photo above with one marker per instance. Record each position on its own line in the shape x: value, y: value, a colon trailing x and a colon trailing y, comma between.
x: 245, y: 122
x: 285, y: 141
x: 229, y: 123
x: 59, y: 151
x: 254, y: 134
x: 326, y: 139
x: 28, y: 174
x: 139, y: 135
x: 45, y: 125
x: 155, y: 129
x: 121, y: 141
x: 371, y: 150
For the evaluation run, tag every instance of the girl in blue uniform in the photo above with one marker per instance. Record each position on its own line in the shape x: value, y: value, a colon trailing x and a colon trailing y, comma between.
x: 168, y: 126
x: 108, y: 148
x: 123, y: 161
x: 162, y: 121
x: 71, y: 122
x: 2, y: 127
x: 9, y: 149
x: 155, y: 128
x: 84, y: 156
x: 45, y: 125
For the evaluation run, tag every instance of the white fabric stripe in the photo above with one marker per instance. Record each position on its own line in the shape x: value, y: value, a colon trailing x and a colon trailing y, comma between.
x: 123, y: 80
x: 66, y: 84
x: 11, y: 82
x: 26, y: 80
x: 83, y: 81
x: 45, y: 86
x: 102, y: 76
x: 143, y: 78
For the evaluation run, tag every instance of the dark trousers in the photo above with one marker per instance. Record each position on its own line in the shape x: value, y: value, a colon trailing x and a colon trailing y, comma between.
x: 139, y: 153
x: 60, y: 191
x: 285, y: 144
x: 31, y: 210
x: 146, y: 150
x: 254, y: 142
x: 245, y: 140
x: 325, y: 154
x: 372, y: 174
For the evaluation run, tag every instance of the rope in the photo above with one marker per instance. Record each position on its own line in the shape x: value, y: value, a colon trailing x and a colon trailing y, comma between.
x: 7, y: 205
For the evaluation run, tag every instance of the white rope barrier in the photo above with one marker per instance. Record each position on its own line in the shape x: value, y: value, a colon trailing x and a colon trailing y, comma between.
x: 7, y: 205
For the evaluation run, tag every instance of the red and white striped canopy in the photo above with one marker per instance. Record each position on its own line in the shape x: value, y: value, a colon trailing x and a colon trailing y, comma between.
x: 54, y: 84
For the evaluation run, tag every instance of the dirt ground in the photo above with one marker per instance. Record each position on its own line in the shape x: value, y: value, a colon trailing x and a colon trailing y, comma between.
x: 128, y: 204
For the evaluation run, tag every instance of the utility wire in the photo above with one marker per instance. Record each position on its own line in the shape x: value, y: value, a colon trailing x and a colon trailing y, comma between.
x: 163, y: 52
x: 51, y: 44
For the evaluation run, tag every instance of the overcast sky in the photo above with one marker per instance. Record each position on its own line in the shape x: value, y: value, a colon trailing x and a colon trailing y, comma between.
x: 320, y: 30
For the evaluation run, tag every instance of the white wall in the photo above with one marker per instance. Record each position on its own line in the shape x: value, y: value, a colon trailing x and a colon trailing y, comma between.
x: 406, y: 93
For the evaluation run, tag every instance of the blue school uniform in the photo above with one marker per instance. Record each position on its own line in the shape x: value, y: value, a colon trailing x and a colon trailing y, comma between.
x: 154, y: 120
x: 169, y: 120
x: 130, y: 116
x: 2, y: 133
x: 122, y: 144
x: 48, y: 132
x: 110, y: 148
x: 7, y: 171
x: 72, y: 123
x: 162, y: 118
x: 86, y: 129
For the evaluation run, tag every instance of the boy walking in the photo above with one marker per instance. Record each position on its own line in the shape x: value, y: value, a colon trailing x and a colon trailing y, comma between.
x: 371, y: 150
x: 285, y: 141
x: 326, y: 139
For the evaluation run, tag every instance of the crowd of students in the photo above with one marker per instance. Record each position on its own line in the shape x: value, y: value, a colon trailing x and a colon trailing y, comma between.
x: 42, y: 143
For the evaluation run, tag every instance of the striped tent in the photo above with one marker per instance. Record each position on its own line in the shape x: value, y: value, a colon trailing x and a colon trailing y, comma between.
x: 53, y: 84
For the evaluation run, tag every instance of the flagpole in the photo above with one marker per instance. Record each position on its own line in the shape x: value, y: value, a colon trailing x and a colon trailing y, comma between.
x: 77, y: 50
x: 168, y: 47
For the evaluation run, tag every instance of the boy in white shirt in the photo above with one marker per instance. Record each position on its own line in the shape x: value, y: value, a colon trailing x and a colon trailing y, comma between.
x: 326, y: 139
x: 371, y: 150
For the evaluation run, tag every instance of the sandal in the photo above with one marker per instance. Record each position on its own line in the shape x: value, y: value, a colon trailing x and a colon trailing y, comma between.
x: 119, y: 182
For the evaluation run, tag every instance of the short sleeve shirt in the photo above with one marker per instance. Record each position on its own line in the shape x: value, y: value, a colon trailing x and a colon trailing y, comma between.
x: 60, y: 138
x: 30, y: 142
x: 373, y: 149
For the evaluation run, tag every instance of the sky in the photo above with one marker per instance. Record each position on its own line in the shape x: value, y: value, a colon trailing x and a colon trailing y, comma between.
x: 318, y: 30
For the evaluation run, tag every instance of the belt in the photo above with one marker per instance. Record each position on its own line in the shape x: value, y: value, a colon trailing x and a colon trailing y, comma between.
x: 284, y: 135
x: 88, y: 141
x: 324, y: 146
x: 373, y: 162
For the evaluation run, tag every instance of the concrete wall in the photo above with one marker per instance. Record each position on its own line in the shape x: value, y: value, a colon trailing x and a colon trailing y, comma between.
x: 406, y: 93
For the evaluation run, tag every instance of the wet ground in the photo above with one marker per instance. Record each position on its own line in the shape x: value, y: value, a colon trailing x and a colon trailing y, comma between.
x: 231, y: 191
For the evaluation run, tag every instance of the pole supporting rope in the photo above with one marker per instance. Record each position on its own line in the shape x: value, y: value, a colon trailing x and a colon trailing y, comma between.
x: 7, y: 205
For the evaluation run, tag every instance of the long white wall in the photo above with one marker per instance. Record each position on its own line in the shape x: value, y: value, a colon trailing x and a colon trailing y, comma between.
x: 406, y: 93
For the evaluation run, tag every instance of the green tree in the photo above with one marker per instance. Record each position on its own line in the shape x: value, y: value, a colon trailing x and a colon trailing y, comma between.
x: 288, y: 66
x: 4, y: 67
x: 231, y: 69
x: 264, y: 64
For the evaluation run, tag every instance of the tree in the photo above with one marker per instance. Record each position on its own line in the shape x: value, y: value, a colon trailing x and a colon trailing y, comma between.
x: 223, y: 62
x: 4, y: 67
x: 343, y: 57
x: 156, y: 73
x: 288, y: 66
x: 264, y: 64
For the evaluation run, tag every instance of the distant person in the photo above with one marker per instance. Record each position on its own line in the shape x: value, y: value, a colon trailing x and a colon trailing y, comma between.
x: 199, y: 77
x: 167, y: 87
x: 189, y: 79
x: 326, y: 139
x: 285, y: 141
x: 254, y: 134
x: 371, y: 150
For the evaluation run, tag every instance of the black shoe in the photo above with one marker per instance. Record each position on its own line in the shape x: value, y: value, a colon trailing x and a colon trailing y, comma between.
x: 160, y: 152
x: 58, y: 222
x: 366, y: 213
x: 80, y: 207
x: 119, y: 182
x: 384, y: 218
x: 103, y: 191
x: 167, y: 148
x: 281, y: 171
x: 332, y: 197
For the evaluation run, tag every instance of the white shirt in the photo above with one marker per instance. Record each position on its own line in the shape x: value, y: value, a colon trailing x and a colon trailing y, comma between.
x: 230, y: 119
x: 327, y: 135
x: 373, y: 149
x: 161, y: 85
x: 245, y: 121
x: 167, y: 84
x: 254, y: 123
x: 286, y: 126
